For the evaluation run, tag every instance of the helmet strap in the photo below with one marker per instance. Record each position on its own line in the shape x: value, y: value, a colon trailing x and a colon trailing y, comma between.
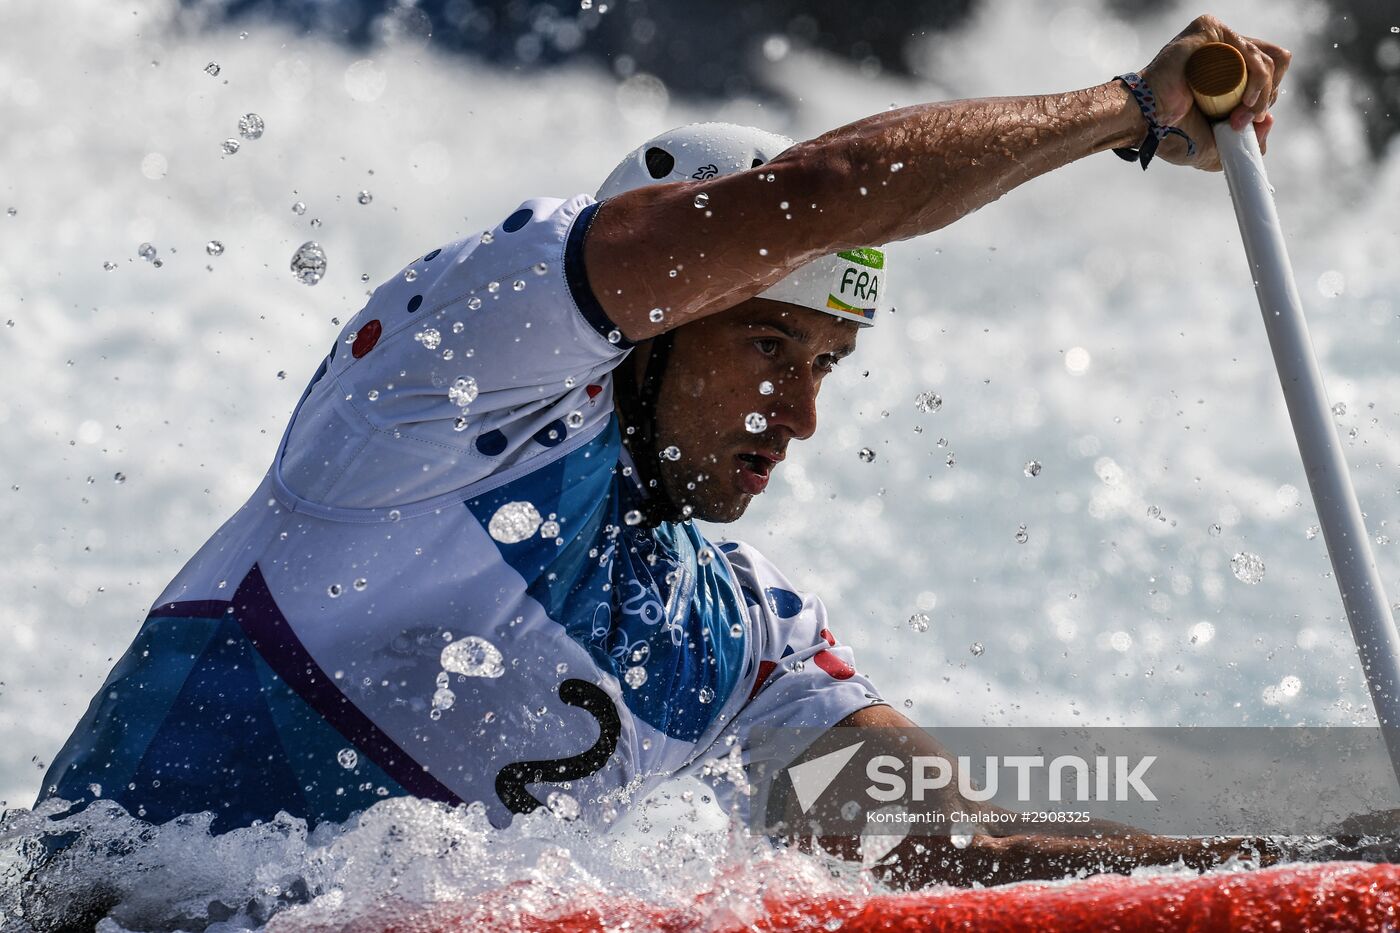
x: 637, y: 399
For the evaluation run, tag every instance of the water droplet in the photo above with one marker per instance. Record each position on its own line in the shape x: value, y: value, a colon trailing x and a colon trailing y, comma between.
x: 755, y: 423
x: 214, y: 248
x: 1214, y: 529
x: 1248, y: 568
x: 118, y: 478
x: 12, y: 211
x: 460, y: 423
x: 976, y: 649
x: 230, y: 146
x: 429, y: 337
x: 1331, y: 283
x: 1155, y: 511
x: 109, y: 265
x: 95, y: 790
x: 146, y: 251
x: 960, y: 840
x: 394, y: 515
x: 706, y: 695
x: 540, y: 268
x: 309, y: 263
x: 518, y: 285
x: 614, y: 336
x: 299, y: 208
x: 474, y: 303
x: 463, y: 391
x: 562, y: 806
x: 493, y: 287
x: 348, y: 758
x: 702, y: 200
x: 410, y: 275
x: 514, y: 522
x: 1032, y: 468
x: 866, y: 455
x: 372, y: 395
x: 251, y: 126
x: 919, y: 621
x: 364, y: 197
x: 360, y: 584
x: 927, y: 402
x: 896, y: 166
x: 1312, y: 532
x: 656, y: 315
x: 705, y: 556
x: 472, y: 656
x: 672, y: 453
x: 765, y: 388
x: 736, y: 630
x: 443, y: 698
x: 212, y: 69
x: 487, y: 237
x: 574, y: 419
x: 549, y: 530
x: 1021, y: 536
x: 635, y: 676
x: 1339, y: 409
x: 334, y: 590
x: 633, y: 517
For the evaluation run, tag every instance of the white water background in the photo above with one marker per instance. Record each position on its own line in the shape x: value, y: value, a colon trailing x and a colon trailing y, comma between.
x: 1100, y: 321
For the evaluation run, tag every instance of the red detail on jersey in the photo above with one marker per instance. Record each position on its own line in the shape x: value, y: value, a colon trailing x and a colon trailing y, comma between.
x: 366, y: 338
x: 830, y: 638
x: 593, y: 391
x: 764, y: 669
x: 833, y: 665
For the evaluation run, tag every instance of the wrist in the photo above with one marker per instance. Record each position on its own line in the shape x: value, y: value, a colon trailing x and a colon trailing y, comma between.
x: 1125, y: 122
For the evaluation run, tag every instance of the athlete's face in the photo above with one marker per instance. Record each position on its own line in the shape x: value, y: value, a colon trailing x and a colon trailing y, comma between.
x: 760, y: 356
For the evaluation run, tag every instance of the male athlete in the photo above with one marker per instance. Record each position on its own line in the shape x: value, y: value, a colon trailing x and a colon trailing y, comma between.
x: 472, y: 574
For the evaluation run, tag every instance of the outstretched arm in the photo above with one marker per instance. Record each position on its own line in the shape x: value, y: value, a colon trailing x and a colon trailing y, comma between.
x: 888, y: 177
x: 1004, y: 854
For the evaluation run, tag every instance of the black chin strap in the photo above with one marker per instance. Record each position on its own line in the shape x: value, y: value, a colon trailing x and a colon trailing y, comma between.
x: 638, y: 399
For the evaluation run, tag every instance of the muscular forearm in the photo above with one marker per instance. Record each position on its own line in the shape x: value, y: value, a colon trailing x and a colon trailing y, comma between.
x: 905, y: 172
x: 991, y: 860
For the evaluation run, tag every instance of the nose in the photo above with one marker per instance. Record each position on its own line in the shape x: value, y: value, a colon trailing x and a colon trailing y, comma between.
x: 794, y: 405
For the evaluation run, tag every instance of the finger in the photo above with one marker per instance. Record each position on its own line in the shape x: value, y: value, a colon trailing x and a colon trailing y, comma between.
x: 1280, y: 56
x: 1259, y: 67
x: 1262, y: 128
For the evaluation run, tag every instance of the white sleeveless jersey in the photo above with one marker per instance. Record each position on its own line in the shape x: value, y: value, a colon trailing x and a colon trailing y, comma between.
x: 435, y: 589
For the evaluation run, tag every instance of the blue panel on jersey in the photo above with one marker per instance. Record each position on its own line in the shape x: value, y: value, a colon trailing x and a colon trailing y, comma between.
x: 630, y: 595
x: 192, y: 719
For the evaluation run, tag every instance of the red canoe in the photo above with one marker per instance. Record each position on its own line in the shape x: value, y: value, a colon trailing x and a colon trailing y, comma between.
x: 1339, y: 896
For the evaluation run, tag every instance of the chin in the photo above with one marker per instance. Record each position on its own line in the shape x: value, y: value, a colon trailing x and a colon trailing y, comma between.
x: 721, y: 512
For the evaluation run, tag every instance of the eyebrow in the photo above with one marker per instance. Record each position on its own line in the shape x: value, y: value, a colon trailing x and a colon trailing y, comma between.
x: 794, y: 332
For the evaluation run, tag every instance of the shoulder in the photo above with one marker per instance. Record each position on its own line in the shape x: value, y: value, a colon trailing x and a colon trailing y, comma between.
x: 762, y: 581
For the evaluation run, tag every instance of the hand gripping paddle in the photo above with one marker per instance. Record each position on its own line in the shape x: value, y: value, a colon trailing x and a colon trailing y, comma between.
x: 1216, y: 74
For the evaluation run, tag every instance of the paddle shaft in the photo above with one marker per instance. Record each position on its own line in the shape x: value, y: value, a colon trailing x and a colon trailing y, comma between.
x: 1339, y: 514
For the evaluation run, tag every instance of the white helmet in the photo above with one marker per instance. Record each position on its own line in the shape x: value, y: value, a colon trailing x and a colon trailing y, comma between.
x: 849, y: 284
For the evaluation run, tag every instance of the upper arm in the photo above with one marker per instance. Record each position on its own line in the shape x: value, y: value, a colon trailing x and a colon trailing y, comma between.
x: 653, y: 247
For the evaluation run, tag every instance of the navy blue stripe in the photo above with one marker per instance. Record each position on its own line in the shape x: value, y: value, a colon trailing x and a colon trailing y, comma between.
x: 577, y: 277
x: 265, y: 626
x: 193, y: 609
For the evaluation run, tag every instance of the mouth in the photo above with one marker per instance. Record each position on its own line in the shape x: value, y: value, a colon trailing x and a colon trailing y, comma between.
x: 754, y: 470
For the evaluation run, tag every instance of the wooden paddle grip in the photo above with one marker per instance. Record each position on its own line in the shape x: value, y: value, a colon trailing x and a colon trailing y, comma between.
x: 1216, y: 74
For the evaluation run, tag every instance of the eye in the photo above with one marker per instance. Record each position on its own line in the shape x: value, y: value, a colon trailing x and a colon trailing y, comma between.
x: 768, y: 346
x: 827, y: 362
